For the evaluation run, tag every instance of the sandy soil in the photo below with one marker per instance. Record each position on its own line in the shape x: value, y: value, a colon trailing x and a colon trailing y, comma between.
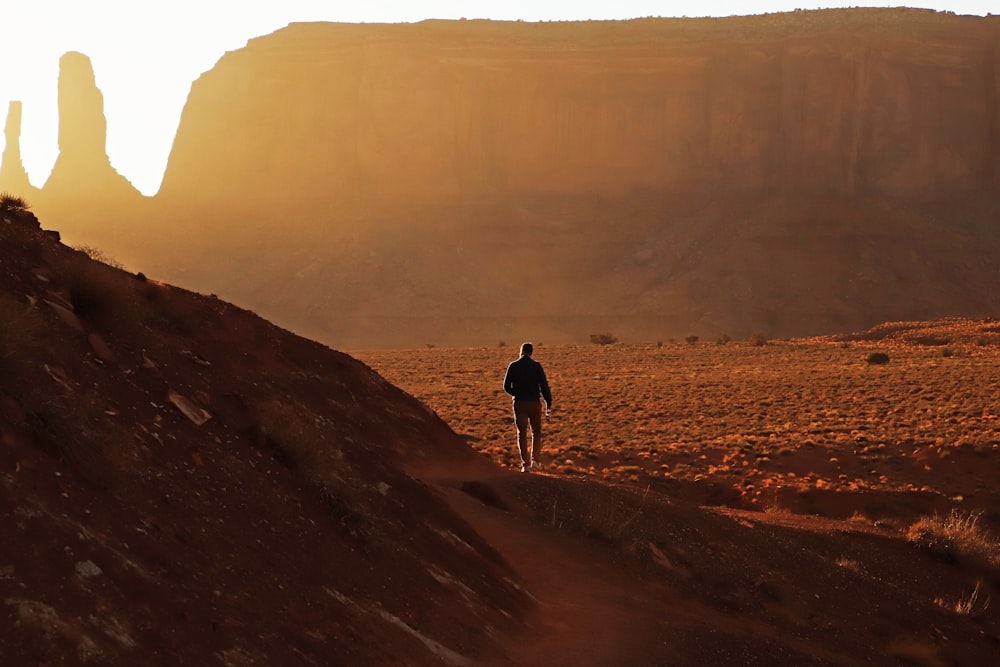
x: 803, y: 425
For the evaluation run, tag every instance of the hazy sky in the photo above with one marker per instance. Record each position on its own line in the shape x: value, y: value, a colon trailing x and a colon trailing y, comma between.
x: 146, y: 54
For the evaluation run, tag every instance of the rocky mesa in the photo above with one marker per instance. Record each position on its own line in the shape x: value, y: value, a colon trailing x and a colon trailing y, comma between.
x: 468, y: 181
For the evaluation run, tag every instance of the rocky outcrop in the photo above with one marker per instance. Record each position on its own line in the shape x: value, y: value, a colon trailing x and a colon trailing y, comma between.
x: 13, y: 177
x: 83, y: 173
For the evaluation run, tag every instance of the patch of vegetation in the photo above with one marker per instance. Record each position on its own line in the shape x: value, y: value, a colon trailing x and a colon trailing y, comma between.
x: 603, y: 339
x: 691, y: 340
x: 877, y: 358
x: 99, y: 255
x: 955, y: 538
x: 758, y: 340
x: 13, y: 204
x: 972, y: 605
x: 723, y: 339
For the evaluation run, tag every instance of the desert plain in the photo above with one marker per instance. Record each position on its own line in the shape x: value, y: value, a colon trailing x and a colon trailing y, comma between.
x: 804, y: 425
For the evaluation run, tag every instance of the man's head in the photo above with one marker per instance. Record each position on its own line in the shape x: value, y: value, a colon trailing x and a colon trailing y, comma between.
x: 527, y: 349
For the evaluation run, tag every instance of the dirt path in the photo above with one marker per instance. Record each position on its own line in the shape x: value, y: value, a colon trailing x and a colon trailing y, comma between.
x: 587, y: 614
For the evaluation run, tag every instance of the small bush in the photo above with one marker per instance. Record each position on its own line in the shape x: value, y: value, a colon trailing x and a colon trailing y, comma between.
x: 758, y: 340
x: 955, y: 538
x: 723, y: 339
x: 969, y: 606
x: 877, y: 358
x: 691, y: 340
x: 99, y: 255
x: 12, y: 204
x: 603, y: 339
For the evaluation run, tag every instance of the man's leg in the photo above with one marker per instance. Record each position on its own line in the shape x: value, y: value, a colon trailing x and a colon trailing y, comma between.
x: 521, y: 421
x: 535, y: 418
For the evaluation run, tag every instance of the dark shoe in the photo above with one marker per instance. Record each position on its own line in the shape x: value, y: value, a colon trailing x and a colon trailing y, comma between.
x: 536, y: 465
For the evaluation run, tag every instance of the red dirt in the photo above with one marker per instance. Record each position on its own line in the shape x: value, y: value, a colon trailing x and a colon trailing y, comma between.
x: 321, y: 516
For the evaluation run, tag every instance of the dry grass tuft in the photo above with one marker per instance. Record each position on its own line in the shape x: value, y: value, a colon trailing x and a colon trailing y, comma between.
x: 13, y: 204
x: 955, y: 538
x: 99, y: 255
x: 967, y: 606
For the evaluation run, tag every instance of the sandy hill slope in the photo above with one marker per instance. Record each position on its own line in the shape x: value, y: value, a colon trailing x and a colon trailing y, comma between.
x: 182, y: 482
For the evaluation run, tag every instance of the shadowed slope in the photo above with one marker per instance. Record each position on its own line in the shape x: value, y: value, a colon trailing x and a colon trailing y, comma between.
x: 182, y: 480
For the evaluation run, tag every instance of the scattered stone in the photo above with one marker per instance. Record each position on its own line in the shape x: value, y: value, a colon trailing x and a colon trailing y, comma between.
x: 67, y: 316
x: 99, y: 347
x: 188, y: 408
x: 88, y: 568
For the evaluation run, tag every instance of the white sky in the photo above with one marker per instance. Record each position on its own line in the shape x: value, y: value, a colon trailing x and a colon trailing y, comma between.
x: 146, y: 55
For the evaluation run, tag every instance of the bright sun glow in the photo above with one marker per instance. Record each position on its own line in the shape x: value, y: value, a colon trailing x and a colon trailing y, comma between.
x: 146, y: 55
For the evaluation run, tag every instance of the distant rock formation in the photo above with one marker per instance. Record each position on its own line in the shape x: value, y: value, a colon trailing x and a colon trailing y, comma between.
x: 460, y: 182
x: 82, y: 173
x: 895, y: 102
x: 13, y: 177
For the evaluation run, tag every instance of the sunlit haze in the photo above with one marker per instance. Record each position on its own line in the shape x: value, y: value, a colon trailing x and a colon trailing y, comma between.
x: 146, y: 54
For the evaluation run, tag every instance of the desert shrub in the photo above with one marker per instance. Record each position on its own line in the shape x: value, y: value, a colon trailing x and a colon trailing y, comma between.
x: 502, y: 344
x: 99, y: 255
x: 955, y: 538
x: 947, y: 352
x: 758, y: 340
x: 723, y: 339
x: 877, y: 358
x: 13, y: 204
x: 966, y: 606
x: 691, y: 340
x: 603, y: 339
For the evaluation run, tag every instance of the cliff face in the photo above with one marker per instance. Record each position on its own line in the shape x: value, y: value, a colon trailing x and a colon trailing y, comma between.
x: 460, y: 182
x: 892, y: 102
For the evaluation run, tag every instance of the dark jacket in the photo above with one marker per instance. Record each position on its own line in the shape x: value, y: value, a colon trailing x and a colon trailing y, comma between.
x: 525, y: 381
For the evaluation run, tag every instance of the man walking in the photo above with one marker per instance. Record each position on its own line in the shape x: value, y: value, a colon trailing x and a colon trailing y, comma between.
x: 525, y: 381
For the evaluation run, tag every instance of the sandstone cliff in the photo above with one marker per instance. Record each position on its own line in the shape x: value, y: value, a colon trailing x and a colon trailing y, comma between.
x: 844, y: 102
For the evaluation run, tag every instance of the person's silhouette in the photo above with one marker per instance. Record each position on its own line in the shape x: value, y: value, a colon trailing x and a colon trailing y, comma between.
x: 525, y: 381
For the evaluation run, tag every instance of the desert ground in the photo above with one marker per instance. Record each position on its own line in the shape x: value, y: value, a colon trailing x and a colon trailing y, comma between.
x: 799, y: 425
x: 182, y: 482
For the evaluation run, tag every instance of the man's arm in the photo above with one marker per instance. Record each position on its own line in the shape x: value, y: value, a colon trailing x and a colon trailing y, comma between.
x: 543, y: 384
x: 508, y: 381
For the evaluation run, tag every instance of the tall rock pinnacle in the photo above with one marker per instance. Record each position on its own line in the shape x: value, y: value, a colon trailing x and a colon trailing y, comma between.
x: 13, y: 177
x: 83, y: 170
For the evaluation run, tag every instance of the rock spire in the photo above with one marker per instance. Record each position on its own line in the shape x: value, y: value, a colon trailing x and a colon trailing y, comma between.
x: 13, y: 177
x: 83, y: 169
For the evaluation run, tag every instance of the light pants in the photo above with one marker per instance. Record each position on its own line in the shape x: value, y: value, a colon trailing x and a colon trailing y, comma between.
x: 525, y: 413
